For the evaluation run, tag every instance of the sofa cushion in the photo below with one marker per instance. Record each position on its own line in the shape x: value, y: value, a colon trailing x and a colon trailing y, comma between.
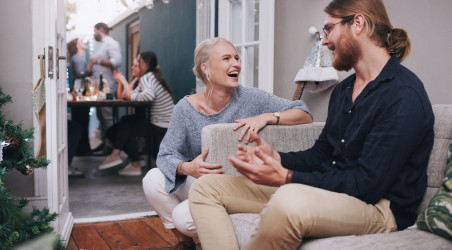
x: 407, y: 239
x: 411, y: 238
x: 438, y: 157
x: 443, y: 136
x: 437, y: 216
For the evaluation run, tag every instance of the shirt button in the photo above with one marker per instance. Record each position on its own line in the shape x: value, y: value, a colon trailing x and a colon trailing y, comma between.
x: 349, y: 111
x: 343, y: 140
x: 334, y: 162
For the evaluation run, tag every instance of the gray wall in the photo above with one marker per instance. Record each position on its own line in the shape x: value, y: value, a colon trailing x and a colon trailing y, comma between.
x: 428, y: 26
x: 171, y: 34
x: 169, y: 30
x: 16, y: 76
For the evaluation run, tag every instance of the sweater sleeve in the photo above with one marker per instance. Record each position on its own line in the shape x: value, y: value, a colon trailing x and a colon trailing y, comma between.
x: 147, y: 93
x: 269, y: 103
x: 114, y: 54
x: 172, y: 149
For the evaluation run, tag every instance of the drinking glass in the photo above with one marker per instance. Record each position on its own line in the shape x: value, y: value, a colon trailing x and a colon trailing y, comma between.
x: 78, y: 86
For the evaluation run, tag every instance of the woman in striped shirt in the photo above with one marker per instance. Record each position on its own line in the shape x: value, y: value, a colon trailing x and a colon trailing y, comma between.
x: 152, y: 87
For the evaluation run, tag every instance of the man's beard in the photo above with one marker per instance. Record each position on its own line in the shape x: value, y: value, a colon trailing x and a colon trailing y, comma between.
x: 98, y: 38
x: 347, y: 52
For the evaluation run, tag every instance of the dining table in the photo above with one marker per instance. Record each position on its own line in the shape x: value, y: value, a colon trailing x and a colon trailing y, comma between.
x: 107, y: 103
x: 115, y: 103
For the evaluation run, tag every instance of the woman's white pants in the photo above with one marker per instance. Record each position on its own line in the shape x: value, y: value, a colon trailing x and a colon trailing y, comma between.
x: 172, y: 208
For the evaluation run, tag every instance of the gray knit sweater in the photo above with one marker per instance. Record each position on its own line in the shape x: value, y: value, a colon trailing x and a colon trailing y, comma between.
x: 182, y: 141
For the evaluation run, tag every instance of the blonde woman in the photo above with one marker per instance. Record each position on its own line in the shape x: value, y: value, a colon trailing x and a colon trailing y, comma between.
x: 180, y: 160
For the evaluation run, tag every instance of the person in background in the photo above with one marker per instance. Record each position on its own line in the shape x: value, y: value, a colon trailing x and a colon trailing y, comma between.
x: 122, y: 140
x: 79, y: 69
x: 122, y: 81
x: 105, y: 59
x: 73, y: 139
x: 365, y: 174
x: 180, y: 160
x: 154, y: 88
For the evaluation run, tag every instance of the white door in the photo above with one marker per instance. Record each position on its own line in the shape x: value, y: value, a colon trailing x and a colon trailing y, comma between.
x: 49, y: 20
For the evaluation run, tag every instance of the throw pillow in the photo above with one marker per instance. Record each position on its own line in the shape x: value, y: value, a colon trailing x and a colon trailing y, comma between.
x: 437, y: 216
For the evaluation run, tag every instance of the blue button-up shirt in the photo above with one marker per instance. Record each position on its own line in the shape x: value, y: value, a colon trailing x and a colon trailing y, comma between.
x: 375, y: 147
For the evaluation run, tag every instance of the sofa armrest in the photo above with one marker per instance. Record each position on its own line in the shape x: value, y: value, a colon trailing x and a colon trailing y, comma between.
x: 222, y: 141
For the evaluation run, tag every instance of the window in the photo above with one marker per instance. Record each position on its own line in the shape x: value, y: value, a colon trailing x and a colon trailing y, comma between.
x: 249, y: 25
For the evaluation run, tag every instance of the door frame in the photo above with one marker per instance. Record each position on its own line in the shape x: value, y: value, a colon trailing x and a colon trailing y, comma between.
x: 51, y: 184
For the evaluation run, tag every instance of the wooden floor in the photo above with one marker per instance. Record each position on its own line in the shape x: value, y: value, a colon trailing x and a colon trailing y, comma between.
x: 145, y: 233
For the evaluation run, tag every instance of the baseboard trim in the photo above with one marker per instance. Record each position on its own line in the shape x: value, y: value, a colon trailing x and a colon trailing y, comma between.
x: 114, y: 217
x: 67, y: 229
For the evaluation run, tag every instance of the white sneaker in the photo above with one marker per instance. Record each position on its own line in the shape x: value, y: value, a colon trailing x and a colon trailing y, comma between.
x: 130, y: 170
x: 74, y: 172
x: 111, y: 161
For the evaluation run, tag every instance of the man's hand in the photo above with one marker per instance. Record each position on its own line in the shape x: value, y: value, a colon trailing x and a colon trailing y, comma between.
x: 93, y: 59
x: 260, y: 163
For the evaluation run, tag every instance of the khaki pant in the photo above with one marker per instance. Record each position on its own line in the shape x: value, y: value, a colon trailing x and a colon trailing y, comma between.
x: 288, y: 213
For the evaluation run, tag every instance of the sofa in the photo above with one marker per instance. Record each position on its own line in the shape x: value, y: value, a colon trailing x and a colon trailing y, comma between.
x: 222, y: 140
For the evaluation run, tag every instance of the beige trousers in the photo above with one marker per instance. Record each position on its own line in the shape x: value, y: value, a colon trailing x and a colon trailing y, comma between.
x: 288, y: 213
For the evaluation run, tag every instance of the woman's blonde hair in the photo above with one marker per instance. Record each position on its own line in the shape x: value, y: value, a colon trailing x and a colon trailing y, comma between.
x: 395, y: 40
x: 203, y: 55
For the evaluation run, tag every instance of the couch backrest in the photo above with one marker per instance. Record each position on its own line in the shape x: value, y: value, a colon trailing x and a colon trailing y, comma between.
x: 438, y: 157
x: 222, y: 141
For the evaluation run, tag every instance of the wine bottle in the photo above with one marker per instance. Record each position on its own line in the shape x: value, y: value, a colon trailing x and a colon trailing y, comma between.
x: 101, y: 87
x: 83, y: 86
x: 87, y: 91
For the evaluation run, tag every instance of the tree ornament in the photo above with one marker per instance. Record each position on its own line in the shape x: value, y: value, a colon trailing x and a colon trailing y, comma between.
x: 2, y: 145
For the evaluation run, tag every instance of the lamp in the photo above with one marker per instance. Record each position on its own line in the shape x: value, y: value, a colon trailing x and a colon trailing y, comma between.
x: 317, y: 74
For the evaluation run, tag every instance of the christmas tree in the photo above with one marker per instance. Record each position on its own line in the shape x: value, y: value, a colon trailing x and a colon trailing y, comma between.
x: 16, y: 225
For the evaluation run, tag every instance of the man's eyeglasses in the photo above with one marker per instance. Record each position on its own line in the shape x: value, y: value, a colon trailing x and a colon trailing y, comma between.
x: 327, y: 29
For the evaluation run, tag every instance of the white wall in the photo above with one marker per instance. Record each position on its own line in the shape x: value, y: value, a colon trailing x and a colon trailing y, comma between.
x: 16, y: 75
x: 428, y: 24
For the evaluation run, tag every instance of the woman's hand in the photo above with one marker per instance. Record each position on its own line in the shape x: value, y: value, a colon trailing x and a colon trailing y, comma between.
x: 119, y: 77
x: 127, y: 94
x: 197, y: 167
x: 252, y: 124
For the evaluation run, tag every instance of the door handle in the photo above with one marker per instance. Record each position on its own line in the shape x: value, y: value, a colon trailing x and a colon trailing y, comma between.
x: 58, y: 57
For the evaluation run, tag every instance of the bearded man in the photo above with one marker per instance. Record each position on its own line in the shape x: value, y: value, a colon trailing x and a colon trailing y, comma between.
x: 106, y: 58
x: 365, y: 174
